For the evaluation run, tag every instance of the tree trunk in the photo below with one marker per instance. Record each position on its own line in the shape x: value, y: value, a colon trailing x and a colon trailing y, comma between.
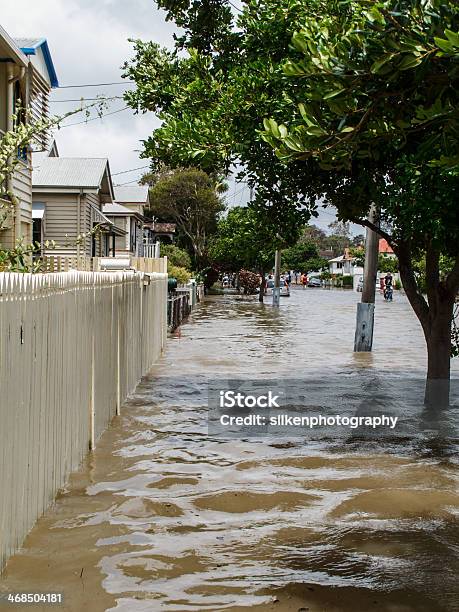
x: 438, y: 338
x: 435, y: 317
x: 262, y: 286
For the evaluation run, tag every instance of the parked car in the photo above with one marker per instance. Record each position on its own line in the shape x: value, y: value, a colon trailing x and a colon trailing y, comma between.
x: 284, y: 288
x: 314, y: 282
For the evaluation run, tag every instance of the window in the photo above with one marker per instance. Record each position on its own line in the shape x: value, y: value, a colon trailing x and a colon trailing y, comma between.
x: 38, y: 214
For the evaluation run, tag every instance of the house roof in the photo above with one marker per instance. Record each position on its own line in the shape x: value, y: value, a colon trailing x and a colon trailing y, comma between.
x: 133, y: 194
x: 384, y: 246
x: 337, y: 259
x: 73, y: 172
x: 30, y: 46
x: 117, y: 209
x: 120, y: 211
x: 10, y: 50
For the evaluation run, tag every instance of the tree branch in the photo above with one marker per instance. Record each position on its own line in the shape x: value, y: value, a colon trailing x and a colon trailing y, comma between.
x: 375, y: 228
x: 415, y: 297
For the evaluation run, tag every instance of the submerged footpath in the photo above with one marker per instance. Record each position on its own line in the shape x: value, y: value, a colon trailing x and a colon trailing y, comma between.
x: 163, y: 516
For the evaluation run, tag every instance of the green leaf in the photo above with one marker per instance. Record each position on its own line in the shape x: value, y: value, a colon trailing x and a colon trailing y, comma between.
x: 378, y: 64
x: 294, y: 144
x: 273, y: 128
x: 444, y: 45
x: 304, y: 114
x: 333, y: 94
x: 409, y: 61
x: 283, y: 131
x: 300, y: 43
x: 349, y: 128
x: 452, y: 37
x: 315, y: 130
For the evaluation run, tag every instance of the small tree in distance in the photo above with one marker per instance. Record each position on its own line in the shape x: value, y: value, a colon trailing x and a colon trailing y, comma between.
x: 188, y: 197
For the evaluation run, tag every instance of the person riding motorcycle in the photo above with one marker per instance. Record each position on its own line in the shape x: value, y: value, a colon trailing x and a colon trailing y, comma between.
x: 388, y: 287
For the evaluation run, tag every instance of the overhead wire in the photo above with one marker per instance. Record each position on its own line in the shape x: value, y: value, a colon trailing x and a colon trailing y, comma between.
x: 234, y: 6
x: 102, y: 99
x: 126, y: 171
x: 94, y: 85
x: 120, y: 110
x: 127, y: 183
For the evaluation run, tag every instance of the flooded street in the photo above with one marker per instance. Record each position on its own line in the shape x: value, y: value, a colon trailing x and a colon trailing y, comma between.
x: 163, y: 517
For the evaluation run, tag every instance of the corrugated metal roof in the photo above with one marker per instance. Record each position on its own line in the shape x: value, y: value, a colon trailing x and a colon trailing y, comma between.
x: 117, y: 209
x: 28, y: 43
x: 12, y: 47
x: 131, y: 193
x: 69, y: 172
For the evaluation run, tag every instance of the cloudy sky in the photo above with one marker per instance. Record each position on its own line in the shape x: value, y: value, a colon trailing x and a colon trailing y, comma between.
x: 89, y: 42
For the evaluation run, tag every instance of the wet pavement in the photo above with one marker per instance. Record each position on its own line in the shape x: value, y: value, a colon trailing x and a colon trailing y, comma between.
x: 164, y: 517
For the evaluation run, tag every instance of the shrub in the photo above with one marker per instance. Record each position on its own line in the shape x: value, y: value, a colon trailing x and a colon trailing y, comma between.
x: 176, y: 256
x: 181, y: 274
x: 348, y: 280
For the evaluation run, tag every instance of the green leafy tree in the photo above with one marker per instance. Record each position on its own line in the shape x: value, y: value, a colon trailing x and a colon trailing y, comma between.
x: 247, y: 238
x: 380, y: 87
x: 361, y: 105
x: 188, y: 197
x: 387, y: 264
x: 314, y: 264
x: 294, y: 257
x: 358, y: 241
x: 211, y: 100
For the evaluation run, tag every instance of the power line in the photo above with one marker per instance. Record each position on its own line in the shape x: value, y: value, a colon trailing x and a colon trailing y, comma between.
x: 94, y: 85
x: 96, y: 118
x: 127, y: 183
x: 89, y: 99
x: 234, y: 6
x: 126, y: 171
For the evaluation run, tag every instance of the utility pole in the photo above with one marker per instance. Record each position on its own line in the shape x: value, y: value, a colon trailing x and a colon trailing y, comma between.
x: 276, y: 289
x: 366, y: 309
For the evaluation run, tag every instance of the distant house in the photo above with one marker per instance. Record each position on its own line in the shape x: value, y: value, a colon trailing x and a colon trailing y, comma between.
x: 134, y: 197
x: 26, y: 76
x: 162, y: 232
x: 131, y: 223
x: 69, y: 194
x: 137, y: 199
x: 342, y: 265
x: 385, y: 248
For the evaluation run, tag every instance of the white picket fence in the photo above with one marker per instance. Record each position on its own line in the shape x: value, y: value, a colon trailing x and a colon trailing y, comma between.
x: 73, y: 345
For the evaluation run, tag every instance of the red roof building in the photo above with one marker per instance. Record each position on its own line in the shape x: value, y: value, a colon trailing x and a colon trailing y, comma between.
x: 384, y: 247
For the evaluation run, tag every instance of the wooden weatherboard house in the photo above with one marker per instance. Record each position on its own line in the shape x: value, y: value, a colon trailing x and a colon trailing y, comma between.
x: 27, y: 75
x: 69, y: 194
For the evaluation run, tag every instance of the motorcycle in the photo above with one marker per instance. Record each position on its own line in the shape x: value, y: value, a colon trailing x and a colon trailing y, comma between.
x: 388, y: 293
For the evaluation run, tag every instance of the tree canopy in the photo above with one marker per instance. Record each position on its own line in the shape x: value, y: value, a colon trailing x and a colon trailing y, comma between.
x: 355, y: 108
x: 188, y: 197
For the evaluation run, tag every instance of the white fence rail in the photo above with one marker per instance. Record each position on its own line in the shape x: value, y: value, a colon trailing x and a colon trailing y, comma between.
x: 73, y: 345
x: 151, y: 250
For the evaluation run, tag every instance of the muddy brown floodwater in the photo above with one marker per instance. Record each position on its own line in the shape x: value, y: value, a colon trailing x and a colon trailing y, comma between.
x: 163, y: 517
